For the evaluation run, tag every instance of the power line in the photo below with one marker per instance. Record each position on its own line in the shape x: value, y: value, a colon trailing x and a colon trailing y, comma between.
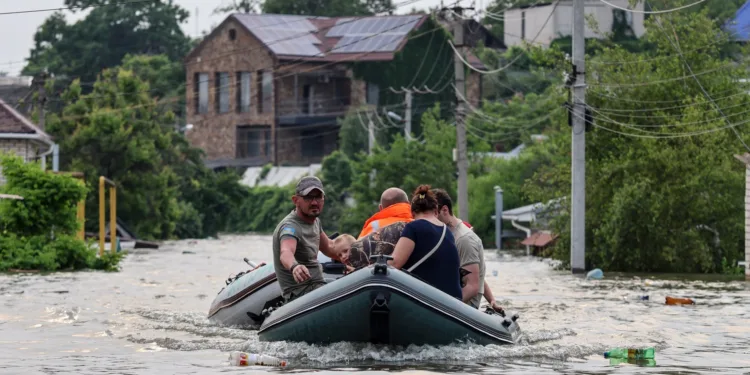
x: 652, y: 12
x: 552, y: 12
x: 676, y: 45
x: 77, y: 7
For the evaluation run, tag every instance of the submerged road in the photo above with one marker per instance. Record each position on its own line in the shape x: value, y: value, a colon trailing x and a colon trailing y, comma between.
x: 150, y: 318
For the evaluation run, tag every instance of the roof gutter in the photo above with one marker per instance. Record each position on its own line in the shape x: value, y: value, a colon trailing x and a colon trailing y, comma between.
x: 33, y: 137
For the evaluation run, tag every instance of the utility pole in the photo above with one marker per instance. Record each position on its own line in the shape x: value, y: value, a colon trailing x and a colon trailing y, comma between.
x: 40, y: 81
x: 370, y: 134
x: 462, y: 162
x: 407, y: 130
x: 578, y: 188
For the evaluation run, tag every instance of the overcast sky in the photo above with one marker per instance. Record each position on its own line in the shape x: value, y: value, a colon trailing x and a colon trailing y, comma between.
x: 17, y: 30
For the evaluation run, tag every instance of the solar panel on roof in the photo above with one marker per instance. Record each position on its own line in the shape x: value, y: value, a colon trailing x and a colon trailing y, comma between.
x: 373, y: 34
x: 284, y: 35
x: 362, y: 44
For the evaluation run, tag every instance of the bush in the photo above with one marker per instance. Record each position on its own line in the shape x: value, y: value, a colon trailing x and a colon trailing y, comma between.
x: 49, y: 200
x: 38, y: 232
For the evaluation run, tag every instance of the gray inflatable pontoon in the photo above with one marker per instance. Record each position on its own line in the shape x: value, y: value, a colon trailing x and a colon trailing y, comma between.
x: 248, y: 296
x: 380, y: 304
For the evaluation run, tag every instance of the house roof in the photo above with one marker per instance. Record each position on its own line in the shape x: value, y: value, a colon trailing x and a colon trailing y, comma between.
x: 539, y: 239
x: 15, y: 123
x: 330, y: 39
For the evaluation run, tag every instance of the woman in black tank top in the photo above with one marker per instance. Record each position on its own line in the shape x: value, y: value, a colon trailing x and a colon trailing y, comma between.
x: 427, y: 248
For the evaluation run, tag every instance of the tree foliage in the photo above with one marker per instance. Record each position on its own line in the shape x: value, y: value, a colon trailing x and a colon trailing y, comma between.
x: 117, y: 131
x: 239, y: 6
x: 658, y: 200
x: 111, y: 30
x: 327, y: 8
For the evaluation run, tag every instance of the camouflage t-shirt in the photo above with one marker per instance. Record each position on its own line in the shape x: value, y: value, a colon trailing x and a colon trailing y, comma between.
x: 381, y: 241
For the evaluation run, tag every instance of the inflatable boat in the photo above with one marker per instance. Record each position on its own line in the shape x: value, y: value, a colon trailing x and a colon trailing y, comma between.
x: 250, y: 295
x: 382, y: 305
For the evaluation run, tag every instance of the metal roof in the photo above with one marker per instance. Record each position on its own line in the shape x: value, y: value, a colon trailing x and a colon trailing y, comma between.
x: 283, y: 34
x: 306, y: 37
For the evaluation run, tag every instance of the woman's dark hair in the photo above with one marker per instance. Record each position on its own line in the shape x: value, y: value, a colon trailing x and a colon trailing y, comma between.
x: 423, y: 200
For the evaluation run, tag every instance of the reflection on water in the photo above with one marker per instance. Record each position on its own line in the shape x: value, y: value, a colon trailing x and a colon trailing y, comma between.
x: 150, y: 318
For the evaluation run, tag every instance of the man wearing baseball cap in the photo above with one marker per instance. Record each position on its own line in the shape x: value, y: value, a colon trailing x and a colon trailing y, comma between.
x: 297, y: 239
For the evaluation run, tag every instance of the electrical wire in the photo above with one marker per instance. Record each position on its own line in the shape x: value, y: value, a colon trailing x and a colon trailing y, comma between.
x: 77, y: 7
x: 676, y: 45
x: 552, y: 12
x: 652, y: 12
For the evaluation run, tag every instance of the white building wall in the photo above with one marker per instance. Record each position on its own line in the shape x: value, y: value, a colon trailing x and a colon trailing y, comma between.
x: 561, y: 24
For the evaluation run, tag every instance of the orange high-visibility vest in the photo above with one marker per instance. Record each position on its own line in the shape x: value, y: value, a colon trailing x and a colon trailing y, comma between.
x: 387, y: 216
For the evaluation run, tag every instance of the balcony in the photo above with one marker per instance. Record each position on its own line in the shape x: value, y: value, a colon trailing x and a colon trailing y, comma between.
x: 314, y: 98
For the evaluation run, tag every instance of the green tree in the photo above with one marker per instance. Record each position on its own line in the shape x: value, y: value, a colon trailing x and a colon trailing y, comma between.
x: 655, y: 197
x: 327, y: 8
x: 118, y: 132
x: 165, y: 77
x: 239, y: 6
x: 111, y: 30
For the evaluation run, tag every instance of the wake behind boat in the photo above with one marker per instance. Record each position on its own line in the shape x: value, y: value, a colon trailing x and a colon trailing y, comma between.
x: 381, y: 304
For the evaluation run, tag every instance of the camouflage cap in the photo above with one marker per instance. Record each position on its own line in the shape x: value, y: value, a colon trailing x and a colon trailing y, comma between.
x: 307, y: 184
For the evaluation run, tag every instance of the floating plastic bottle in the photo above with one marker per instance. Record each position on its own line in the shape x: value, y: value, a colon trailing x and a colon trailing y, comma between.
x: 630, y: 353
x: 679, y: 301
x: 595, y: 274
x: 250, y: 359
x: 637, y: 362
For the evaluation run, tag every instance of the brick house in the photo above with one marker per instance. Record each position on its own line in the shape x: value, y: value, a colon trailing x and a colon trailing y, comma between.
x: 21, y: 137
x: 269, y: 88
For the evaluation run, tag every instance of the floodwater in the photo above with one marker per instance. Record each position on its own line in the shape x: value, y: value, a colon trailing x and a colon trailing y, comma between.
x: 150, y: 318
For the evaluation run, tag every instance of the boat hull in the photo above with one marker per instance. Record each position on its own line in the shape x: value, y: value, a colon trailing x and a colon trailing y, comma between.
x: 242, y: 302
x: 389, y: 308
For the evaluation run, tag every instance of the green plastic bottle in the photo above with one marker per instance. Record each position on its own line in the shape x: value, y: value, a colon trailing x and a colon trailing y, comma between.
x: 647, y: 353
x: 636, y: 362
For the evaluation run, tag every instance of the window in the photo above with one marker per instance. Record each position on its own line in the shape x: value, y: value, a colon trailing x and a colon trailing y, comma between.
x: 243, y: 92
x: 232, y: 34
x: 373, y: 94
x: 265, y: 81
x: 311, y: 143
x: 523, y: 25
x: 222, y: 92
x: 253, y: 141
x: 200, y: 92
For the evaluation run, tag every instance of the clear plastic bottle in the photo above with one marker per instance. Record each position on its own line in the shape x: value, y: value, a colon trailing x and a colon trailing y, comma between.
x: 237, y: 358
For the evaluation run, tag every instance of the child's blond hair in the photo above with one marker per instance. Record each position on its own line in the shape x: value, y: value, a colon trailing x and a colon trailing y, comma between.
x: 344, y: 240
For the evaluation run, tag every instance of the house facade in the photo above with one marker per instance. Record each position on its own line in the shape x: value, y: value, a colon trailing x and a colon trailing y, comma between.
x: 522, y: 24
x: 21, y: 137
x: 269, y: 88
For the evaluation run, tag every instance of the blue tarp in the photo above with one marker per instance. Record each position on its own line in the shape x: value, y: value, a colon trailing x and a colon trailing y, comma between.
x: 739, y: 26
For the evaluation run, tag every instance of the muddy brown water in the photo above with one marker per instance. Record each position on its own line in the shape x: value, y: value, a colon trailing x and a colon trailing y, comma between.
x: 150, y: 318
